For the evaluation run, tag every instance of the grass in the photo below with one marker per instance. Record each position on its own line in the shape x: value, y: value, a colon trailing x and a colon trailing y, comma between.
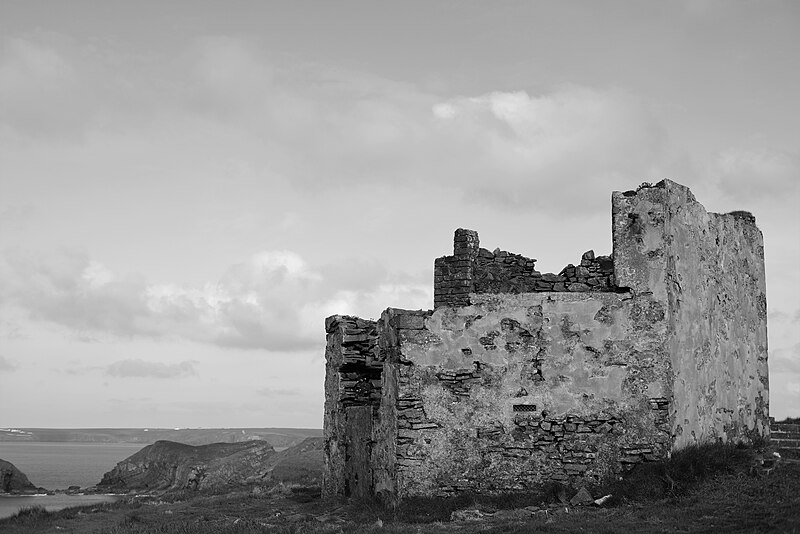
x: 709, y: 488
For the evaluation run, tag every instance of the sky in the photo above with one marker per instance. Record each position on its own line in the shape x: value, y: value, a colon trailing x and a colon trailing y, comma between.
x: 188, y: 188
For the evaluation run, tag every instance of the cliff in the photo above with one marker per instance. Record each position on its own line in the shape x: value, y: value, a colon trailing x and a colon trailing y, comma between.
x: 12, y: 480
x: 168, y: 465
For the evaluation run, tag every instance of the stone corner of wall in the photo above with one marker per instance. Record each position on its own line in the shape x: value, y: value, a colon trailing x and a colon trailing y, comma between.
x: 656, y: 189
x: 739, y: 215
x: 332, y: 322
x: 464, y: 232
x: 335, y: 322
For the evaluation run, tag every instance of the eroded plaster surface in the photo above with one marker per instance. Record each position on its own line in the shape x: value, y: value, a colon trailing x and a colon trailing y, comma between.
x: 514, y: 390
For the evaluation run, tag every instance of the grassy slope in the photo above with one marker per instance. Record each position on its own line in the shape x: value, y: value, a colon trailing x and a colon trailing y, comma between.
x: 705, y: 490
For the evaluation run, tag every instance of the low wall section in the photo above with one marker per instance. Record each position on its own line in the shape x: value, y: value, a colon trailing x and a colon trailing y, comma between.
x: 785, y: 438
x: 515, y: 390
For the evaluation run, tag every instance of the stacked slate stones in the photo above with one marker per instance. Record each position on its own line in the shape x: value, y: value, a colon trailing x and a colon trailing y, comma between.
x: 504, y: 272
x: 360, y: 372
x: 785, y: 438
x: 452, y: 275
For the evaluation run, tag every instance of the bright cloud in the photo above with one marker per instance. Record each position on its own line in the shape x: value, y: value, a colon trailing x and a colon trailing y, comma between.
x: 273, y: 301
x: 567, y: 145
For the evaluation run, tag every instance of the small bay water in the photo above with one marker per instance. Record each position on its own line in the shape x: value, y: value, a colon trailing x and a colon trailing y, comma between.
x: 11, y: 504
x: 56, y: 465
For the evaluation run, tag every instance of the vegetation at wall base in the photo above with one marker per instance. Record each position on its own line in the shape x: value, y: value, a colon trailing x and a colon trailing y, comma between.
x: 707, y: 488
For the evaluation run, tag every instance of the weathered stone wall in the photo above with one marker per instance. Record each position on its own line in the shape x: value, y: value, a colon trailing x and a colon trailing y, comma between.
x: 707, y: 272
x: 352, y: 397
x: 515, y: 390
x: 472, y: 269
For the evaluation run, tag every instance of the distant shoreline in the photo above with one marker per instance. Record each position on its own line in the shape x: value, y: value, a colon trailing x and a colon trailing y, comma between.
x: 277, y: 436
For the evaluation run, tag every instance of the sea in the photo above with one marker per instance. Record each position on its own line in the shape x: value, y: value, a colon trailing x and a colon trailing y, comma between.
x: 55, y: 465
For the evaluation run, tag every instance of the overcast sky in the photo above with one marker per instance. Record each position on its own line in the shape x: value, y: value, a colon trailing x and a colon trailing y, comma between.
x: 187, y: 189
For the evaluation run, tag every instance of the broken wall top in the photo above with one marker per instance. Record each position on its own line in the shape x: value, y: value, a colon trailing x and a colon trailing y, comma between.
x: 638, y: 261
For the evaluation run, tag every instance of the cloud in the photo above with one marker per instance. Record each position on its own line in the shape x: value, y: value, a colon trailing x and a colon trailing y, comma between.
x: 509, y: 149
x: 506, y: 149
x: 68, y: 288
x: 135, y: 368
x: 786, y: 360
x: 753, y: 174
x: 781, y: 316
x: 277, y: 392
x: 38, y: 86
x: 273, y: 301
x: 322, y: 128
x: 567, y: 145
x: 16, y: 217
x: 6, y: 365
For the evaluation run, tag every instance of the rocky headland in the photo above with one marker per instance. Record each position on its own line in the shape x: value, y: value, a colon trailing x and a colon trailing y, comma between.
x: 14, y: 481
x: 168, y: 465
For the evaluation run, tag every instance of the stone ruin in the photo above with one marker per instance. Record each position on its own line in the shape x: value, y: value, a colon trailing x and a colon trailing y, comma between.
x: 516, y: 377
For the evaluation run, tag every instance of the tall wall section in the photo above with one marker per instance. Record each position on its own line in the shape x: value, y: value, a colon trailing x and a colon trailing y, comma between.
x: 352, y: 398
x: 707, y: 269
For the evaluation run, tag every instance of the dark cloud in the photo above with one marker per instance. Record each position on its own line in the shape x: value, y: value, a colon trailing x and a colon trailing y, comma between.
x: 322, y: 128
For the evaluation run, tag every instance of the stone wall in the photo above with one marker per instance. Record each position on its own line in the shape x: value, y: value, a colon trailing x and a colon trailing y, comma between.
x: 352, y: 397
x: 515, y: 390
x: 453, y: 275
x: 472, y: 269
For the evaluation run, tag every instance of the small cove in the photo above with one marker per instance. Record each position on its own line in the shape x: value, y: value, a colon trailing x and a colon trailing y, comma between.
x: 10, y: 504
x: 59, y: 465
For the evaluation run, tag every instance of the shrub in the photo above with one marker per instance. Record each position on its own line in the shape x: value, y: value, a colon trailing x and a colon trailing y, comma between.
x: 36, y: 511
x: 681, y: 472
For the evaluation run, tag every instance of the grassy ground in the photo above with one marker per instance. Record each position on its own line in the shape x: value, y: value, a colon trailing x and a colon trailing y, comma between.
x: 702, y: 489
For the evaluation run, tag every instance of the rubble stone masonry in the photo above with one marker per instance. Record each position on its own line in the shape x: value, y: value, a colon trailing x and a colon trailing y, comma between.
x: 517, y: 377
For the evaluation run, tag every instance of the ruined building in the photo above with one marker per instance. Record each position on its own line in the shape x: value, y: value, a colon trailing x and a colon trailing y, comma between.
x: 518, y: 377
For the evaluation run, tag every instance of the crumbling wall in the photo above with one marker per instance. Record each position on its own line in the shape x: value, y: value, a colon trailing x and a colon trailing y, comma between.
x: 352, y: 397
x: 515, y: 390
x: 518, y: 377
x: 707, y: 270
x: 472, y: 269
